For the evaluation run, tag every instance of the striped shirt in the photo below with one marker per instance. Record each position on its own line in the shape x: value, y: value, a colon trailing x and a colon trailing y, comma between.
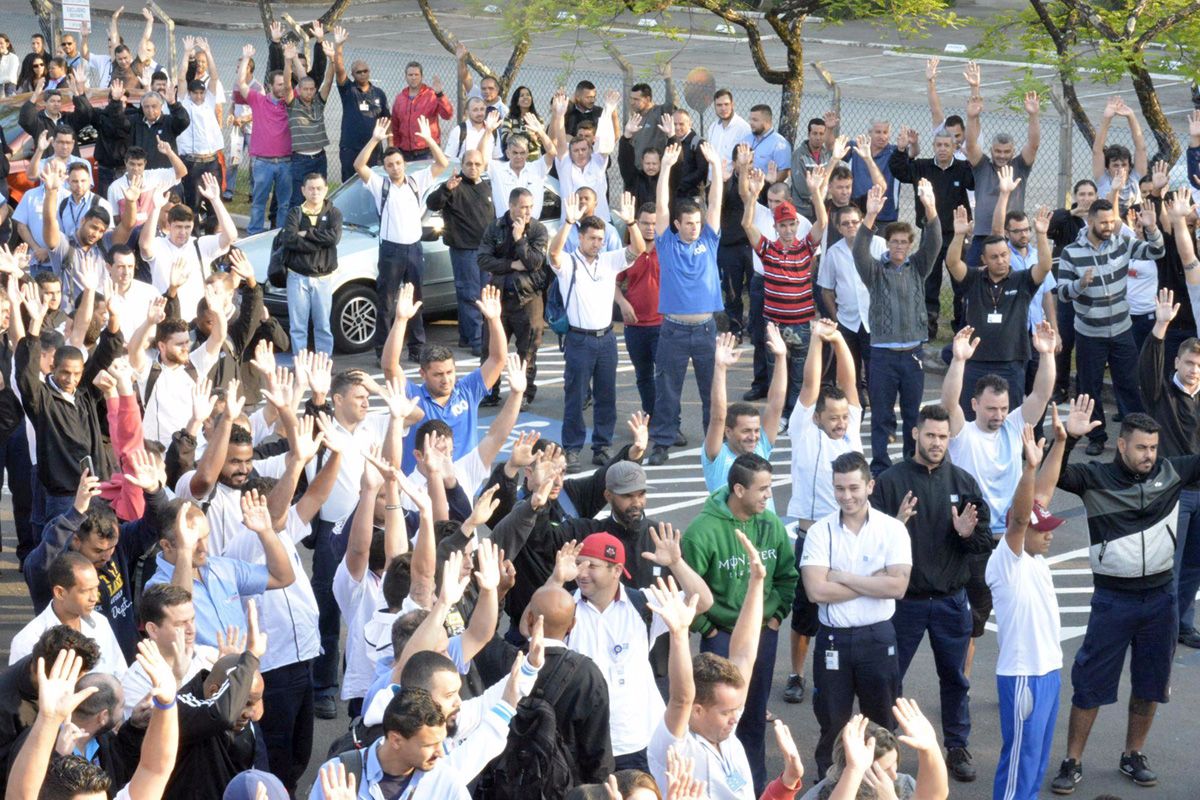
x: 787, y: 280
x: 1101, y: 309
x: 307, y: 124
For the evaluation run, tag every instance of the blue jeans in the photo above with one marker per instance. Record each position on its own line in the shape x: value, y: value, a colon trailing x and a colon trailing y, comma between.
x: 948, y: 621
x: 892, y: 373
x: 1142, y: 325
x: 641, y: 341
x: 303, y: 165
x: 1011, y: 371
x: 797, y: 339
x: 52, y: 506
x: 677, y: 344
x: 307, y: 294
x: 329, y: 622
x: 467, y: 284
x: 1092, y: 354
x: 399, y: 263
x: 1187, y: 558
x: 752, y: 728
x: 758, y: 334
x: 591, y: 362
x: 268, y: 174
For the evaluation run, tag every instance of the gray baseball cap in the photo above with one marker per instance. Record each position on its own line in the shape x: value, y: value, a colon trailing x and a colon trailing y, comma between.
x: 625, y: 477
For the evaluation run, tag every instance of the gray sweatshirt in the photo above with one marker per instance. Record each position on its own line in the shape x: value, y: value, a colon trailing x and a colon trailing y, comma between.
x: 897, y: 293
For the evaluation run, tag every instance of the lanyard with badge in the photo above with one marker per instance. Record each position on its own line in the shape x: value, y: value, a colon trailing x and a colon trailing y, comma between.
x: 995, y: 294
x: 734, y: 778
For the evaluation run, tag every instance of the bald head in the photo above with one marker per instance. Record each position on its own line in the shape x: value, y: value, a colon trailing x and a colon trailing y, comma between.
x: 107, y: 697
x: 556, y: 606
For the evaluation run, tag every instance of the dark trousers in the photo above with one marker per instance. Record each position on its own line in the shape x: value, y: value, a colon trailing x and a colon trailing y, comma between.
x: 1062, y: 359
x: 287, y: 721
x: 104, y: 179
x: 1187, y: 558
x: 196, y: 170
x: 325, y: 562
x: 1031, y: 369
x: 348, y: 151
x: 894, y: 373
x: 796, y: 337
x: 1011, y: 371
x: 1142, y: 325
x: 399, y: 264
x: 591, y: 362
x: 52, y: 506
x: 758, y: 335
x: 933, y: 288
x: 641, y: 342
x: 304, y: 165
x: 1119, y: 354
x: 859, y: 342
x: 467, y: 283
x: 677, y: 344
x: 851, y: 663
x: 632, y: 761
x: 525, y: 324
x: 948, y: 622
x: 14, y: 460
x: 736, y: 265
x: 752, y: 728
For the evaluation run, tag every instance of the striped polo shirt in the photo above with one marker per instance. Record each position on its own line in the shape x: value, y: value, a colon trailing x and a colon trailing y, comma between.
x: 307, y: 123
x: 1101, y: 309
x: 787, y: 280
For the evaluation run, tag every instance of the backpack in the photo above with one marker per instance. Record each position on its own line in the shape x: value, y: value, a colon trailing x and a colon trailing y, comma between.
x: 276, y: 270
x: 91, y: 206
x: 352, y: 745
x: 556, y: 307
x: 535, y: 764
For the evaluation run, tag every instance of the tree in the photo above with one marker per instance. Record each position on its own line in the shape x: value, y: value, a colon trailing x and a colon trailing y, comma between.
x: 331, y: 15
x: 45, y: 15
x: 518, y: 20
x: 1111, y: 40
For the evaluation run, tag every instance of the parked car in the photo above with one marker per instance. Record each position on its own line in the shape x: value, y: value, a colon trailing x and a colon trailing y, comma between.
x: 21, y: 144
x: 354, y: 290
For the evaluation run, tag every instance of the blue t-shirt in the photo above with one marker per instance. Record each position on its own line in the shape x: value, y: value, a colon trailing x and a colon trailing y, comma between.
x: 461, y: 413
x: 217, y: 598
x: 688, y: 278
x: 716, y: 472
x: 359, y: 111
x: 863, y: 183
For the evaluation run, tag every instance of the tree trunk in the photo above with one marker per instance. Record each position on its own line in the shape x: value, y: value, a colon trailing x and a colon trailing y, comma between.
x: 334, y: 12
x: 267, y: 12
x: 1152, y: 111
x: 1064, y: 38
x: 792, y: 87
x: 515, y: 60
x: 45, y: 16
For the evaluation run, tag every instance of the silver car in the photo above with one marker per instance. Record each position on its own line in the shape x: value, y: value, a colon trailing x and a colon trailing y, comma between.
x: 354, y: 317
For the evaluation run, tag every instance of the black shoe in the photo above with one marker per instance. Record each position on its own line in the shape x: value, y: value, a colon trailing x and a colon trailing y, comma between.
x: 414, y: 356
x: 324, y: 708
x: 658, y: 455
x: 1095, y: 447
x: 794, y: 691
x: 491, y: 401
x: 573, y: 464
x: 754, y: 394
x: 680, y: 440
x: 1136, y: 767
x: 1070, y: 772
x: 958, y: 761
x: 477, y: 352
x: 1190, y: 639
x: 600, y: 457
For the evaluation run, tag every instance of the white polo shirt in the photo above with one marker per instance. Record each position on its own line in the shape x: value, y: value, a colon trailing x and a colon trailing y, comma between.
x: 165, y: 256
x: 137, y: 298
x: 593, y: 175
x: 813, y: 454
x: 289, y: 615
x: 169, y: 406
x: 1026, y: 613
x: 224, y: 503
x: 590, y: 304
x: 344, y: 496
x: 400, y: 221
x: 504, y: 180
x: 725, y: 136
x: 203, y: 136
x: 725, y: 769
x: 136, y: 684
x: 618, y: 640
x: 839, y: 274
x: 94, y: 626
x: 882, y: 542
x: 358, y: 601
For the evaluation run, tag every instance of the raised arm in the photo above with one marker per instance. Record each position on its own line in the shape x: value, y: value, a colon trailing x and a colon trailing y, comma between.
x: 208, y: 468
x: 1007, y: 185
x: 1045, y: 341
x: 937, y: 117
x: 716, y: 186
x: 668, y: 553
x: 498, y: 432
x: 777, y: 390
x: 243, y: 71
x: 52, y: 180
x: 664, y: 600
x: 862, y: 151
x: 440, y: 162
x: 1101, y: 140
x: 1022, y: 504
x: 750, y: 184
x: 814, y: 362
x: 379, y: 135
x: 662, y: 192
x: 725, y: 356
x: 743, y: 642
x: 962, y: 347
x: 1033, y: 138
x: 974, y: 110
x: 339, y: 56
x: 1041, y: 226
x: 482, y: 626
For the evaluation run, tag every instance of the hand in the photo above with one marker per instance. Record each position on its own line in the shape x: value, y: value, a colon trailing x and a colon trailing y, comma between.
x: 487, y: 562
x: 423, y: 130
x: 106, y: 383
x: 454, y: 583
x: 639, y: 426
x: 255, y: 514
x: 635, y: 124
x: 514, y: 372
x: 43, y: 140
x: 755, y: 181
x: 518, y: 230
x: 665, y: 599
x: 876, y: 199
x: 681, y: 780
x: 234, y: 402
x: 726, y: 354
x: 230, y: 642
x: 144, y: 472
x: 775, y: 344
x: 275, y: 30
x: 1165, y: 307
x: 1086, y: 279
x: 264, y: 358
x: 815, y: 180
x: 52, y: 177
x: 757, y: 570
x: 328, y: 48
x: 89, y: 487
x: 859, y: 750
x: 1148, y: 218
x: 670, y: 156
x: 973, y: 76
x: 1045, y: 340
x: 962, y: 222
x: 380, y: 134
x: 289, y: 51
x: 1032, y: 447
x: 57, y: 697
x: 256, y: 640
x: 435, y: 83
x: 612, y: 100
x: 572, y: 209
x: 489, y: 303
x: 1159, y: 176
x: 902, y: 138
x: 964, y: 523
x: 158, y: 670
x: 925, y: 194
x: 1007, y: 183
x: 628, y: 314
x: 209, y: 189
x: 908, y: 508
x: 203, y: 400
x: 1079, y: 421
x: 280, y: 390
x: 880, y: 782
x: 406, y: 307
x: 931, y: 68
x: 565, y: 568
x: 336, y: 784
x: 68, y: 734
x: 668, y: 548
x: 485, y: 506
x: 963, y: 346
x: 826, y: 330
x: 1032, y: 105
x: 1041, y: 221
x: 1112, y: 107
x: 627, y: 212
x: 918, y: 732
x: 340, y: 35
x: 793, y: 767
x: 667, y: 125
x: 522, y: 449
x: 116, y: 90
x: 32, y: 300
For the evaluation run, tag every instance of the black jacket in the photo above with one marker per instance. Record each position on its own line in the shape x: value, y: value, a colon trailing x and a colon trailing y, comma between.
x: 66, y: 431
x: 315, y: 253
x: 34, y: 120
x: 112, y: 123
x: 497, y: 251
x: 173, y: 121
x: 575, y: 115
x: 18, y: 707
x: 950, y: 185
x: 466, y: 212
x: 940, y: 556
x: 210, y: 752
x: 690, y: 174
x: 637, y: 183
x: 1176, y: 411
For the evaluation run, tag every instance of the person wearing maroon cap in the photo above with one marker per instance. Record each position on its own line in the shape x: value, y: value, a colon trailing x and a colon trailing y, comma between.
x: 788, y: 269
x: 1030, y: 658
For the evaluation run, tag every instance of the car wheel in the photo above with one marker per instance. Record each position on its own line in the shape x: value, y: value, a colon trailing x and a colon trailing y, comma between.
x: 354, y: 319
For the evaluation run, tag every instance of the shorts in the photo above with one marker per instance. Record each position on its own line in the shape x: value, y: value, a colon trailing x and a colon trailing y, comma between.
x: 978, y: 593
x: 1147, y: 621
x: 804, y: 612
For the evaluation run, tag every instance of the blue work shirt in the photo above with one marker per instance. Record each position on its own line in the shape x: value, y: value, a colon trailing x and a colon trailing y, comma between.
x: 217, y: 596
x: 863, y: 182
x: 770, y: 146
x: 461, y: 413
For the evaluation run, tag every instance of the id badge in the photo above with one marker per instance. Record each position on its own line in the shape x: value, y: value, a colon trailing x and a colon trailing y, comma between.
x: 995, y: 318
x: 831, y: 660
x: 364, y: 107
x: 735, y: 781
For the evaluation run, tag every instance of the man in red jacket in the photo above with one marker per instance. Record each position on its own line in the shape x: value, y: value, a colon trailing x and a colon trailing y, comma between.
x: 416, y: 101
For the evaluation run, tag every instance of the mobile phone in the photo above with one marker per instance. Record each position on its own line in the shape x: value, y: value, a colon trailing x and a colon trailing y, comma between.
x: 86, y: 463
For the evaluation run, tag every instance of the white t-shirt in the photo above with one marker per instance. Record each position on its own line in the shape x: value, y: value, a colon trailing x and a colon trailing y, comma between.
x: 1026, y: 613
x: 169, y: 406
x: 344, y: 496
x: 882, y: 541
x: 95, y: 627
x: 165, y: 256
x: 724, y: 138
x: 151, y: 179
x: 590, y: 306
x: 136, y: 306
x: 593, y: 175
x: 724, y: 769
x: 1141, y: 286
x: 504, y: 180
x: 203, y: 136
x: 400, y: 221
x: 358, y: 601
x: 224, y: 511
x: 839, y: 274
x: 813, y: 454
x: 994, y: 460
x: 136, y: 684
x: 470, y: 471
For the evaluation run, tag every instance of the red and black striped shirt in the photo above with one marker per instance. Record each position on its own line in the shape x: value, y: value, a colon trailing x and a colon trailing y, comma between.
x: 787, y: 280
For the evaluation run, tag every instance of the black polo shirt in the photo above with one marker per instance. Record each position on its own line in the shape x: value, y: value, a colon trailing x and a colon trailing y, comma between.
x: 999, y: 313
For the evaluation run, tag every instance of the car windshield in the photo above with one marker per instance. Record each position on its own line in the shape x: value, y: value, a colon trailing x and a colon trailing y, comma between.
x: 358, y: 207
x: 10, y: 120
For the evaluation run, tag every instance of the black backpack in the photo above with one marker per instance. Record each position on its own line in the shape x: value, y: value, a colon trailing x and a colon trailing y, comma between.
x: 535, y: 764
x: 352, y: 744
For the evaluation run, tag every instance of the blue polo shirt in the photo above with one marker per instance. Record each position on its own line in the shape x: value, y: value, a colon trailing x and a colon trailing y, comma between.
x: 359, y: 111
x: 863, y: 184
x: 688, y: 278
x: 771, y: 146
x: 217, y: 596
x: 461, y: 413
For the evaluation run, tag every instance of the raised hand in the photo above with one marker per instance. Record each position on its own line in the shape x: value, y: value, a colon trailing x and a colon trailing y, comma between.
x: 757, y: 570
x: 336, y: 783
x: 670, y: 156
x: 876, y: 199
x: 489, y: 303
x: 89, y: 487
x: 726, y: 354
x: 681, y: 780
x: 667, y: 125
x: 1032, y: 447
x: 1041, y: 220
x: 924, y: 193
x: 665, y: 599
x: 234, y: 402
x: 264, y: 358
x: 454, y: 583
x: 1079, y: 421
x: 144, y: 472
x: 964, y: 523
x: 276, y: 30
x: 1165, y: 307
x: 162, y: 679
x: 963, y: 346
x: 340, y: 35
x: 908, y: 508
x: 668, y: 545
x: 1045, y: 340
x: 634, y: 125
x: 627, y: 211
x: 382, y: 125
x: 280, y: 390
x: 255, y: 514
x: 1007, y: 183
x: 406, y: 307
x: 522, y: 448
x: 423, y: 129
x: 1032, y: 103
x: 859, y: 750
x: 972, y: 75
x: 639, y: 426
x: 793, y: 767
x: 931, y: 67
x: 775, y: 344
x: 918, y: 731
x: 514, y: 372
x: 307, y: 444
x: 203, y: 400
x: 57, y: 697
x: 230, y: 642
x: 565, y: 568
x: 962, y: 222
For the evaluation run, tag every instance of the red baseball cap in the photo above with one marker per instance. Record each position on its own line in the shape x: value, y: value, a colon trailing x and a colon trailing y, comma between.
x: 605, y: 547
x: 1041, y: 519
x: 785, y: 211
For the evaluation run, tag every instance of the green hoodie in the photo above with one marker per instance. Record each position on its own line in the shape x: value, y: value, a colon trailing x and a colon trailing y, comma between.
x: 711, y: 548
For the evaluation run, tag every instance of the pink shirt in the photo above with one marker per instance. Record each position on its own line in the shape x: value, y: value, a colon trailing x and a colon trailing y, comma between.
x: 271, y: 137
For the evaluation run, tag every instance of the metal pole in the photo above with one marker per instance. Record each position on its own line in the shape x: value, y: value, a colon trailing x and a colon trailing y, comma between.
x: 1066, y: 141
x: 170, y: 26
x: 832, y: 85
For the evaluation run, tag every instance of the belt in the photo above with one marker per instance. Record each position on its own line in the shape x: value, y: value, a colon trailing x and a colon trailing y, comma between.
x: 596, y: 333
x: 200, y: 159
x: 272, y: 158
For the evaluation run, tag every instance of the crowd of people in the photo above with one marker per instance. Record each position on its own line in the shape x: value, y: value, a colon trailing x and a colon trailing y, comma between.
x: 514, y: 624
